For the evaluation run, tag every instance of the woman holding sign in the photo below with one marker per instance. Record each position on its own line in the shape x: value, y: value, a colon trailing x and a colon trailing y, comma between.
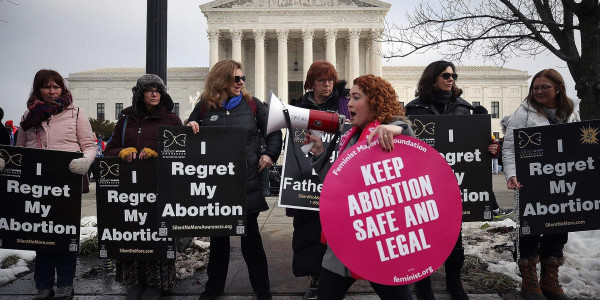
x: 546, y: 103
x: 53, y: 122
x: 374, y: 112
x: 225, y: 102
x: 438, y: 94
x: 327, y: 93
x: 136, y: 136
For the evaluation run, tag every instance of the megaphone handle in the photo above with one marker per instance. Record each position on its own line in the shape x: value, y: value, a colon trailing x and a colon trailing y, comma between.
x: 288, y: 122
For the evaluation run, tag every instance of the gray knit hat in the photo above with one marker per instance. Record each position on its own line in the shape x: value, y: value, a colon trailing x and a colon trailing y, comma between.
x: 145, y: 82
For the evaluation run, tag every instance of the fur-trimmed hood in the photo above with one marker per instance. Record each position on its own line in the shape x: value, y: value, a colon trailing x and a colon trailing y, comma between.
x: 143, y: 83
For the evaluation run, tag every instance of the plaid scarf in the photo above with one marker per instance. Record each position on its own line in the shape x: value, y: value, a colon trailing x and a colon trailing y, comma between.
x: 40, y: 111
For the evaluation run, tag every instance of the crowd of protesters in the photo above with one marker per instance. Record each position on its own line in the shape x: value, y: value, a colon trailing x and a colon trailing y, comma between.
x: 371, y: 105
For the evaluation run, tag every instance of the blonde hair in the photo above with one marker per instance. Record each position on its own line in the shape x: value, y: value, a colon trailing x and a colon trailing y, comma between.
x: 219, y: 80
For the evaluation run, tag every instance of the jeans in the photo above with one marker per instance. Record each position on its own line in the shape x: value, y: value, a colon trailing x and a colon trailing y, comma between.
x: 546, y: 245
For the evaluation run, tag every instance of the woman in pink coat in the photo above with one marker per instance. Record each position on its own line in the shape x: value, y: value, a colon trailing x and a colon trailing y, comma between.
x: 53, y: 122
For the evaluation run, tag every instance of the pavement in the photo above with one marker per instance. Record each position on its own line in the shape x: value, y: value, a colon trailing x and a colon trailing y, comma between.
x: 94, y: 282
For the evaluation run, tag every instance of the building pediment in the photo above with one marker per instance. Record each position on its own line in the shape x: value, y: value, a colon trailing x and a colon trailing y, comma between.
x: 340, y: 4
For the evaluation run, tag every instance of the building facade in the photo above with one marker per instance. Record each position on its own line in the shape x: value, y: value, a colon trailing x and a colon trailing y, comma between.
x: 276, y: 45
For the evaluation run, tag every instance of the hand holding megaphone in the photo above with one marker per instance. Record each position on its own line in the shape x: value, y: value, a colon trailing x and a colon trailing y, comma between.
x: 310, y: 138
x: 280, y: 114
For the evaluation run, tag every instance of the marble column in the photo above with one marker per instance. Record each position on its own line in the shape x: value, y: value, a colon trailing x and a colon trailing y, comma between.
x: 213, y: 49
x: 368, y: 59
x: 353, y: 61
x: 331, y: 36
x: 236, y: 45
x: 282, y: 67
x: 347, y: 61
x: 259, y: 64
x: 307, y: 38
x: 376, y: 51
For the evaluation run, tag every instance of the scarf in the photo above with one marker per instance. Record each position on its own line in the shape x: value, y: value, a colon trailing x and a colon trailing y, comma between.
x: 440, y: 100
x: 363, y: 135
x: 40, y: 111
x: 233, y: 102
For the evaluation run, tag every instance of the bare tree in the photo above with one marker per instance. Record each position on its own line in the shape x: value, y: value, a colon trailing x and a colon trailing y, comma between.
x: 8, y: 1
x: 499, y: 30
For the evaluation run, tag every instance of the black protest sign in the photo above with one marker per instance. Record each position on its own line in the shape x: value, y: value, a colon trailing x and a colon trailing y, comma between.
x: 41, y: 200
x: 557, y: 165
x: 300, y: 186
x: 202, y: 181
x: 126, y: 205
x: 463, y: 140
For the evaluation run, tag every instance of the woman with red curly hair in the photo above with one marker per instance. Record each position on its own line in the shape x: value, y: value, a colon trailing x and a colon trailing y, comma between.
x: 374, y: 111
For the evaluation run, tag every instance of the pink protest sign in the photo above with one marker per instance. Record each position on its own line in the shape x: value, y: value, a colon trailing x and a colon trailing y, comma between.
x: 391, y: 217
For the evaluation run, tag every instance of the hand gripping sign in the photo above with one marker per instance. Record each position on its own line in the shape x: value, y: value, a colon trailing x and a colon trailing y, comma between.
x: 391, y: 217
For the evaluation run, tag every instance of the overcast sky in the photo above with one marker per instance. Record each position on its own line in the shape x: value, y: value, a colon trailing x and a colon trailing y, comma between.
x: 74, y: 35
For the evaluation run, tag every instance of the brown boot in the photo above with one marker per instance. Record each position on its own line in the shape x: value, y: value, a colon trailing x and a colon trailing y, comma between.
x: 549, y: 281
x: 530, y: 287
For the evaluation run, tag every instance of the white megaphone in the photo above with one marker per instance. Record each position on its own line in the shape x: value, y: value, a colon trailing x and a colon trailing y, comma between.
x: 301, y: 117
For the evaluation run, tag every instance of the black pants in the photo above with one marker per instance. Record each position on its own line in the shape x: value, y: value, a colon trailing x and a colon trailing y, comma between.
x: 334, y: 287
x: 453, y: 266
x: 306, y: 244
x: 546, y: 245
x: 253, y: 253
x: 54, y: 265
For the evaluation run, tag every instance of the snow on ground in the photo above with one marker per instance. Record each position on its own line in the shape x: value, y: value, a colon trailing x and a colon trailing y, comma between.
x: 579, y: 276
x: 88, y: 228
x: 10, y: 274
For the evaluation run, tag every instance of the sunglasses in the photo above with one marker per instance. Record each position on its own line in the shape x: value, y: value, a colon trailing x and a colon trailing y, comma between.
x: 239, y: 78
x: 447, y: 76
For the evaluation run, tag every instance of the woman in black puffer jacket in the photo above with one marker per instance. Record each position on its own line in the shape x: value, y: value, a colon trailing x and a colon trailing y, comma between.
x: 438, y: 95
x: 225, y: 102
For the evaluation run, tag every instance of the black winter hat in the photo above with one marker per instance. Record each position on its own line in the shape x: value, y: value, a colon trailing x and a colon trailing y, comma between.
x: 145, y: 82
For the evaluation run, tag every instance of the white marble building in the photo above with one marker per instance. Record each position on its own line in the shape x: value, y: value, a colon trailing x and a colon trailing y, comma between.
x: 277, y: 40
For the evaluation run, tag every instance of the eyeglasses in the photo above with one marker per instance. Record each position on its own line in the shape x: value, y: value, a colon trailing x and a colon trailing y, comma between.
x: 239, y: 78
x: 323, y: 81
x: 447, y: 76
x: 543, y: 88
x: 152, y: 91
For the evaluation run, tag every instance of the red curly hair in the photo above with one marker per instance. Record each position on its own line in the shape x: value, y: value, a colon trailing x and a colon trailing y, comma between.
x: 383, y: 100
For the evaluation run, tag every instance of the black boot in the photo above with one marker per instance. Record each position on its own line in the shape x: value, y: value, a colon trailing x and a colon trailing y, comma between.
x: 135, y: 292
x: 423, y: 289
x: 312, y: 292
x: 454, y: 265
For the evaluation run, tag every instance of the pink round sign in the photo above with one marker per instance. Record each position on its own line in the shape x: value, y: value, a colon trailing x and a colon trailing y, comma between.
x: 391, y: 217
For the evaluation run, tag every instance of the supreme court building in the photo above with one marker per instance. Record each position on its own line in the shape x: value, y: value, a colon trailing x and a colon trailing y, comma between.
x: 277, y: 40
